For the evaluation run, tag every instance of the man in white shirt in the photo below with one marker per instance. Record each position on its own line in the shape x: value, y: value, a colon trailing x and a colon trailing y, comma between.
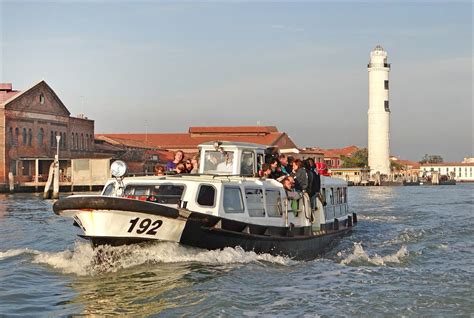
x: 226, y: 165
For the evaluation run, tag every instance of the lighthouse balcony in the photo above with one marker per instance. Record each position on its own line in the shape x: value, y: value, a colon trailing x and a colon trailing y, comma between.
x: 379, y: 65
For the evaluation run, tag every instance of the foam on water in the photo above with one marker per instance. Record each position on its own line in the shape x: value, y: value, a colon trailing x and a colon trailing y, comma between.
x: 16, y: 252
x: 84, y: 260
x: 359, y: 255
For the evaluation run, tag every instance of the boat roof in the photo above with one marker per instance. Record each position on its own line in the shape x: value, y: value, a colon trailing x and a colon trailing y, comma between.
x: 208, y: 178
x: 205, y: 178
x: 236, y: 144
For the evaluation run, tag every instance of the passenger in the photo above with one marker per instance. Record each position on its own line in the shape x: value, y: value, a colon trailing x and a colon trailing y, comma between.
x: 299, y: 173
x: 289, y: 166
x: 188, y: 165
x: 178, y: 157
x: 211, y: 161
x: 275, y: 169
x: 180, y: 168
x: 283, y: 164
x: 314, y: 181
x: 226, y: 165
x: 290, y: 190
x: 159, y: 170
x: 266, y: 171
x: 195, y: 163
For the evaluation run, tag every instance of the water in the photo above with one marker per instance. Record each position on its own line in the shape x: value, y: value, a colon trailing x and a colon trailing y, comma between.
x: 410, y: 255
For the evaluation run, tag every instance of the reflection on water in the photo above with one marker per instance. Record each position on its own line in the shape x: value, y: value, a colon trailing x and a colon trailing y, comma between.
x: 134, y: 290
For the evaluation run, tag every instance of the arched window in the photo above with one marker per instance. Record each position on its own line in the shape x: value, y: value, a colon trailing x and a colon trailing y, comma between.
x: 82, y: 141
x: 77, y: 141
x: 40, y: 137
x: 92, y: 142
x: 72, y: 141
x: 10, y: 136
x: 17, y: 136
x: 24, y: 137
x: 87, y: 141
x: 51, y: 142
x: 30, y: 137
x: 64, y: 140
x: 41, y: 98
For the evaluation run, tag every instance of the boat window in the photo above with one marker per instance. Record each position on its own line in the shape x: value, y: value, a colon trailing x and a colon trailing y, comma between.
x: 109, y: 189
x: 206, y: 195
x: 163, y: 193
x: 218, y: 162
x: 254, y: 198
x: 247, y: 164
x: 233, y: 202
x: 332, y: 196
x: 137, y: 190
x: 273, y: 203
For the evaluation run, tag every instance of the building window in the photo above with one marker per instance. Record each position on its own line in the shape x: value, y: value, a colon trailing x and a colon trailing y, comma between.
x: 82, y: 141
x: 76, y: 143
x: 40, y: 137
x: 65, y: 140
x: 24, y: 137
x: 30, y: 137
x: 41, y: 98
x: 51, y: 141
x: 72, y: 141
x: 385, y: 104
x: 10, y: 136
x: 385, y: 83
x: 17, y: 136
x: 92, y: 142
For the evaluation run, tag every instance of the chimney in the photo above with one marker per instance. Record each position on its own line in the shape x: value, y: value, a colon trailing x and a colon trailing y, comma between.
x: 6, y: 87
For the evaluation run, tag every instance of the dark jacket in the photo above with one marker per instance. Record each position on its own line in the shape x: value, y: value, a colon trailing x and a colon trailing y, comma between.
x: 301, y: 179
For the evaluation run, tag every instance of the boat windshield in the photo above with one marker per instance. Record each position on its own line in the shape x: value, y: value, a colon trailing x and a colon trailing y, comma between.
x: 163, y: 193
x: 219, y: 162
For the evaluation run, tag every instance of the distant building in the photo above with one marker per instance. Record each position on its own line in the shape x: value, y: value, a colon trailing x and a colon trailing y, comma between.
x: 334, y: 157
x: 188, y: 142
x: 30, y: 120
x: 462, y: 172
x: 305, y: 153
x: 357, y: 176
x: 409, y: 170
x: 140, y: 157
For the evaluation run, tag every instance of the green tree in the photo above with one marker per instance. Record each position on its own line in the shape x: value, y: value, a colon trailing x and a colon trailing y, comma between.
x: 358, y: 159
x: 431, y: 159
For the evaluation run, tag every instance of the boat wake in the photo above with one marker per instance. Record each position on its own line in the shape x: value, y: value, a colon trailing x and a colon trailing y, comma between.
x: 84, y: 260
x: 360, y: 257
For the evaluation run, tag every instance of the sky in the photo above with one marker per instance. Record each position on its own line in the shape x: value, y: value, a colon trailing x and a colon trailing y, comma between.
x: 161, y: 67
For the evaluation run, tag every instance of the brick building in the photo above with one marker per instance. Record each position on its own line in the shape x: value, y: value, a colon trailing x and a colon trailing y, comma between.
x: 189, y: 141
x: 30, y: 120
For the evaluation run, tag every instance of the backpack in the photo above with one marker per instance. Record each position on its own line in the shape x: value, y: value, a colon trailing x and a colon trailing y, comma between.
x: 314, y: 183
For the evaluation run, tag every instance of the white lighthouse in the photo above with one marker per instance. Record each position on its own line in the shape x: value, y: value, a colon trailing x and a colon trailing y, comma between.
x: 379, y: 112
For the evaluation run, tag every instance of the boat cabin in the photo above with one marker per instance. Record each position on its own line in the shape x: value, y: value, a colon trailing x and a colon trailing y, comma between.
x: 231, y: 158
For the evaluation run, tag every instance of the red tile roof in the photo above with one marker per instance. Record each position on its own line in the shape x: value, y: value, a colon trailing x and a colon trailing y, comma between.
x: 233, y: 130
x: 184, y: 140
x: 265, y: 135
x: 337, y: 152
x: 5, y: 86
x: 408, y: 163
x: 448, y: 164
